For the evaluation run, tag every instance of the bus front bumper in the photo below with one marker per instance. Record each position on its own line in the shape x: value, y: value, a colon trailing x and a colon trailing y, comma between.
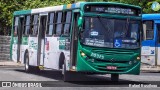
x: 85, y: 66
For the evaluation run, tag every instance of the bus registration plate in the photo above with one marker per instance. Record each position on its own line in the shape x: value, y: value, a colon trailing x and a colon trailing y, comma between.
x: 112, y: 67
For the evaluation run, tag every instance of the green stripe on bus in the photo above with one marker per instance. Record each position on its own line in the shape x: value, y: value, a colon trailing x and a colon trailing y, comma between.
x: 64, y: 7
x: 24, y: 40
x: 22, y: 12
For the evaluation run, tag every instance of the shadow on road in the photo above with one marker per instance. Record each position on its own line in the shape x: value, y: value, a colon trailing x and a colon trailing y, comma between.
x: 81, y: 79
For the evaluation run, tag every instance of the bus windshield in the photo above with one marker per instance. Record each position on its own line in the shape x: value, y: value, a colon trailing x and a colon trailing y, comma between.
x: 112, y: 33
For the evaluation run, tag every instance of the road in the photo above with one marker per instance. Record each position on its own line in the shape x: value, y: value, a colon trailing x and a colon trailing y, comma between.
x: 54, y: 79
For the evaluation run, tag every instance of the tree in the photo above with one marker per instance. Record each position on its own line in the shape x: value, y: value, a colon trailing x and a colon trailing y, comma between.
x: 7, y: 8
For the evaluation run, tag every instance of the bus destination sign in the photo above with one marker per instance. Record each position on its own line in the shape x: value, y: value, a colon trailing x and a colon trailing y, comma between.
x: 112, y: 10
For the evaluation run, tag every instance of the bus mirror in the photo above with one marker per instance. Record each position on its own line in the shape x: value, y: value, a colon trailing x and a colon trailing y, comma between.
x: 79, y: 21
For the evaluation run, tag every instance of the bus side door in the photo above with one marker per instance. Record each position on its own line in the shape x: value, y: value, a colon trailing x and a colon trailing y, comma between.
x: 41, y: 39
x: 33, y: 40
x: 18, y: 29
x: 74, y: 39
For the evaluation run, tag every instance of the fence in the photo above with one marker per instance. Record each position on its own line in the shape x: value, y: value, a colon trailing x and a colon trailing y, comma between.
x: 5, y: 47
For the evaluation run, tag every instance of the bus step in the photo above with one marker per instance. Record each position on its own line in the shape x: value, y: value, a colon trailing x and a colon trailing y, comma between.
x: 41, y: 67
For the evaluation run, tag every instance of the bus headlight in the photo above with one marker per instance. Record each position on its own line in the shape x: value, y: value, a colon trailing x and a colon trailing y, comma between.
x: 83, y: 54
x: 138, y: 58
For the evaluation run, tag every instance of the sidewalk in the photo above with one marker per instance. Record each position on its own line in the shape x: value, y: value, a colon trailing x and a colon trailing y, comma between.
x: 150, y: 68
x: 9, y: 63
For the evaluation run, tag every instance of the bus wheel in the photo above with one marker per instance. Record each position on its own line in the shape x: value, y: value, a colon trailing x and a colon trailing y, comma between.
x: 27, y: 66
x: 66, y: 74
x: 115, y: 77
x: 61, y: 60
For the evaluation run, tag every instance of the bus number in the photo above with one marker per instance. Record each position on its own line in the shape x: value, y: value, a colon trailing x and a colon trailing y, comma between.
x: 97, y: 55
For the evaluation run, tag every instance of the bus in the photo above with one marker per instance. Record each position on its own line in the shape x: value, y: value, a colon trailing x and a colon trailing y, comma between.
x: 150, y: 53
x: 85, y: 37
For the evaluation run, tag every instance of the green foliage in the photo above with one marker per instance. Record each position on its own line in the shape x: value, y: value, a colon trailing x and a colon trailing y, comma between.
x: 7, y: 7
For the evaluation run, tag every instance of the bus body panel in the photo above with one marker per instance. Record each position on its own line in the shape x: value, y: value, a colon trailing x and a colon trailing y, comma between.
x: 125, y: 63
x: 14, y: 52
x: 14, y: 49
x: 24, y: 47
x: 52, y: 52
x: 33, y: 46
x: 148, y: 52
x: 42, y: 52
x: 83, y: 66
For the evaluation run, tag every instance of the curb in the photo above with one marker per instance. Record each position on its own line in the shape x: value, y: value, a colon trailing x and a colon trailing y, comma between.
x: 10, y: 63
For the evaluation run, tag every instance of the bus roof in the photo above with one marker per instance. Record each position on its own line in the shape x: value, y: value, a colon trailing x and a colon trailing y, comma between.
x: 151, y: 16
x: 48, y: 9
x: 65, y: 7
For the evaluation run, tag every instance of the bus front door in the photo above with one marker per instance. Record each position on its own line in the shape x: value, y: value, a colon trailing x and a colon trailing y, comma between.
x: 41, y: 40
x: 74, y: 40
x: 158, y: 44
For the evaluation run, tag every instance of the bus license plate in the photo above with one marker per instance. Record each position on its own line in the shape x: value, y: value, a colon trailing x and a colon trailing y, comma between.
x: 111, y: 67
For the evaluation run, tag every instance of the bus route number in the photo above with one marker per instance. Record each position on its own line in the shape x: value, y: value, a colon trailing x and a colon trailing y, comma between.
x: 97, y: 55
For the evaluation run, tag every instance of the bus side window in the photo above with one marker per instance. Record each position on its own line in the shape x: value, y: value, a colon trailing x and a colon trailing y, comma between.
x: 59, y: 23
x: 51, y: 24
x: 27, y: 25
x: 34, y: 29
x: 15, y: 28
x: 149, y: 30
x: 67, y: 23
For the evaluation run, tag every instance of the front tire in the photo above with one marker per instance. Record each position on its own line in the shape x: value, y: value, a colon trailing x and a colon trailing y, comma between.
x: 27, y: 66
x: 66, y: 74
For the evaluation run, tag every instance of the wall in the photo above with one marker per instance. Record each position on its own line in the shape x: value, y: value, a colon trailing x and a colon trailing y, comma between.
x: 5, y: 47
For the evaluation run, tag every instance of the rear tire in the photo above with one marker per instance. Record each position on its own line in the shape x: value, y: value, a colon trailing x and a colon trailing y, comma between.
x: 27, y: 66
x: 115, y: 77
x: 61, y: 60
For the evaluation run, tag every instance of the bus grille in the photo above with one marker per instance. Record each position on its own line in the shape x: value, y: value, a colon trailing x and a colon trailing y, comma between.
x: 122, y: 65
x: 102, y: 65
x: 112, y: 52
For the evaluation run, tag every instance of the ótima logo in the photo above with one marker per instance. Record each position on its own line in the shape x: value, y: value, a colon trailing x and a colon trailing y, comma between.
x: 155, y: 6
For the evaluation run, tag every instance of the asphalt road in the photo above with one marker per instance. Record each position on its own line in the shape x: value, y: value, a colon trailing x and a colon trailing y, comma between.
x: 54, y: 79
